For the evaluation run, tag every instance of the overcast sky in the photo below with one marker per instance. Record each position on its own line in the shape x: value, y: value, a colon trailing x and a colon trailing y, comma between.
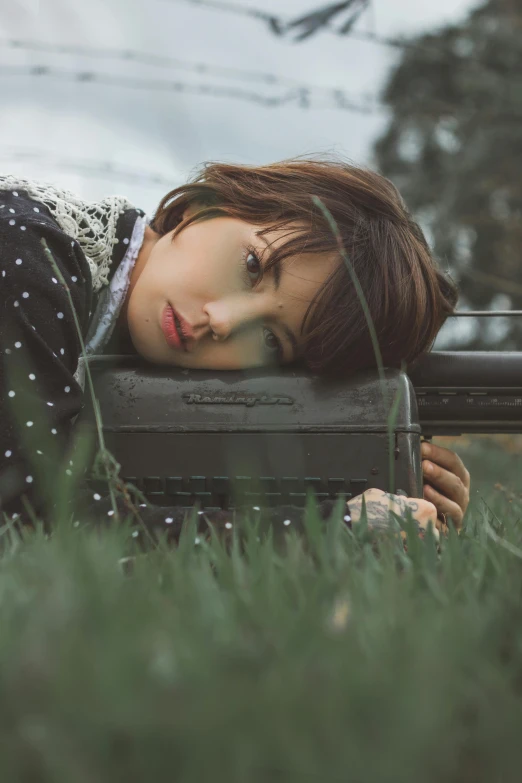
x: 57, y: 128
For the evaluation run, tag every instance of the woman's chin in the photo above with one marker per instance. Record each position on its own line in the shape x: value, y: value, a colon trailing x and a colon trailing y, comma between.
x: 149, y: 350
x: 157, y: 351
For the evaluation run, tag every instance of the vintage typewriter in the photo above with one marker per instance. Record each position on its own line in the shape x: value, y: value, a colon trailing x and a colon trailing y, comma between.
x: 222, y: 439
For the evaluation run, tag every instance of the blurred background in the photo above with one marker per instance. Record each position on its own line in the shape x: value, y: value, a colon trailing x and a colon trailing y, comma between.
x: 132, y: 96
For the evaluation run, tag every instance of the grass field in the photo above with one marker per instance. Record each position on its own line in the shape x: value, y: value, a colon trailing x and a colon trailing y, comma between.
x: 327, y: 662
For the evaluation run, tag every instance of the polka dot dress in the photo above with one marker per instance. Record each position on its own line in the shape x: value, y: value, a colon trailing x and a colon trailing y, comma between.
x: 39, y: 396
x: 39, y: 345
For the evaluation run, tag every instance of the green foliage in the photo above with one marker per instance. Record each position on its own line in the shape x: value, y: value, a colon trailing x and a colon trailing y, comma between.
x: 453, y: 148
x: 332, y: 659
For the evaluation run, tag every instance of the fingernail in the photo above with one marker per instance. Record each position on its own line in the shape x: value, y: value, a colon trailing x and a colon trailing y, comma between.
x: 428, y: 467
x: 425, y: 447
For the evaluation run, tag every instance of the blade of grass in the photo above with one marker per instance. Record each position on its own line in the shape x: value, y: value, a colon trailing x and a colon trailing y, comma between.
x: 110, y: 465
x: 394, y: 407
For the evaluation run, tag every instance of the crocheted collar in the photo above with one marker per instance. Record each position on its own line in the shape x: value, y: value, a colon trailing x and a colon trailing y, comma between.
x: 92, y: 224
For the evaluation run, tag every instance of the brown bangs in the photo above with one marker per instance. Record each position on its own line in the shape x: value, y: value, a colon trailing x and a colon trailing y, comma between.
x: 407, y: 295
x: 408, y: 300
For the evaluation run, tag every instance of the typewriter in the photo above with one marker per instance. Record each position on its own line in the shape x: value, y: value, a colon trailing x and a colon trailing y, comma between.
x: 222, y: 439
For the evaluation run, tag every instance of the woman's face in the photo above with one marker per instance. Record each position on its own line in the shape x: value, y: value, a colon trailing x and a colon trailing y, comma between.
x: 210, y: 275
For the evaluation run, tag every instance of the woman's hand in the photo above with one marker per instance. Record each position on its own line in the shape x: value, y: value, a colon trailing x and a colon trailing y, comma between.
x: 450, y: 479
x: 379, y: 504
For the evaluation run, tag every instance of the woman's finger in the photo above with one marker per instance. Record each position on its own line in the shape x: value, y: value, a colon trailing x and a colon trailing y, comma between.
x: 446, y: 483
x: 444, y: 505
x: 446, y: 459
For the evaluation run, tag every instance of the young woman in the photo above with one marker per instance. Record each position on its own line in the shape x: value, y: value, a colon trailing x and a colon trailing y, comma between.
x: 239, y: 268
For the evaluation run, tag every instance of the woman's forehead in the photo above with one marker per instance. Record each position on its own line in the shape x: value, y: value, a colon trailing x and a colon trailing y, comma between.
x: 276, y: 239
x: 278, y: 235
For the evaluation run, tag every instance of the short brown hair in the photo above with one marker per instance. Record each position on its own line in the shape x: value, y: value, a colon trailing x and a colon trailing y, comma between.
x: 408, y: 297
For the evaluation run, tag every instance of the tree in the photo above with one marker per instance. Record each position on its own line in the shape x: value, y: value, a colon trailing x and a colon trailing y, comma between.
x: 453, y: 147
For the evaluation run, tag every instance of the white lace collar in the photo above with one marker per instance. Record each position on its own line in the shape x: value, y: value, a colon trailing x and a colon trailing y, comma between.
x: 92, y: 224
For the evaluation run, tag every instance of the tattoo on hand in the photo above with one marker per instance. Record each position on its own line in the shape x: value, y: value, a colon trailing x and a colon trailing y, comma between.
x: 402, y: 503
x: 377, y: 513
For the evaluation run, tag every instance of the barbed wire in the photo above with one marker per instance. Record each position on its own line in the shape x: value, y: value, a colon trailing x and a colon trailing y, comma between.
x: 368, y: 36
x: 93, y: 168
x: 161, y: 61
x: 302, y: 95
x: 276, y: 22
x: 131, y: 55
x: 141, y: 58
x: 313, y: 21
x: 168, y: 62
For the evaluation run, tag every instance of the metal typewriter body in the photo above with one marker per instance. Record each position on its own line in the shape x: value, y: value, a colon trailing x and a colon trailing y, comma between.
x: 223, y: 439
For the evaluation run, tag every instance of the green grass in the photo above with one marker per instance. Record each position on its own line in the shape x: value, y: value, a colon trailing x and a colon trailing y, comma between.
x: 329, y: 661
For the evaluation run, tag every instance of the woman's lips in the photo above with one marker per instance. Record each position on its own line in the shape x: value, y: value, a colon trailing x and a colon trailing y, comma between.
x: 168, y: 325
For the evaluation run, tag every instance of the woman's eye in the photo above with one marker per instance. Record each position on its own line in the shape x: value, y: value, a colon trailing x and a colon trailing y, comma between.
x: 253, y: 266
x: 272, y: 343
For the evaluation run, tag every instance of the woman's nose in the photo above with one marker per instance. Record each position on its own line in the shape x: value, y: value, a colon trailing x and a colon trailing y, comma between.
x: 220, y: 319
x: 227, y: 316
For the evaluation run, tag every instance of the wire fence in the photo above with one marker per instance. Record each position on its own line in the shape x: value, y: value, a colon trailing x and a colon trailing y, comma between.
x: 88, y: 167
x: 302, y: 95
